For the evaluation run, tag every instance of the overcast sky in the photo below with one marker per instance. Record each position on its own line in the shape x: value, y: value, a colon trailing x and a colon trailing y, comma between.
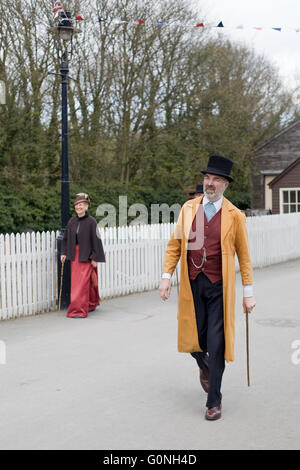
x: 282, y: 48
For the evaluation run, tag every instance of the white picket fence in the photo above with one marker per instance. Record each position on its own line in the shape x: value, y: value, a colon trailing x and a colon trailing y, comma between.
x: 27, y: 274
x: 273, y: 239
x: 134, y: 256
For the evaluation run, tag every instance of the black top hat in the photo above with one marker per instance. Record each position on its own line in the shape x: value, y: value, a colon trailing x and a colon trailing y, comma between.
x: 199, y: 188
x: 218, y: 165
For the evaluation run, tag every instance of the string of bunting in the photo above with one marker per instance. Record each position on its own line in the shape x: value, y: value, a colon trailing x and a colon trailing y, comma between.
x: 58, y: 10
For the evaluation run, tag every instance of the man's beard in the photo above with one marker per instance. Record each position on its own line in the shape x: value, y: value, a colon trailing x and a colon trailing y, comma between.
x: 214, y: 195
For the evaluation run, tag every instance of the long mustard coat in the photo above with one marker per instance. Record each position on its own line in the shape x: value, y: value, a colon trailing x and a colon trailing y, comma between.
x: 234, y: 239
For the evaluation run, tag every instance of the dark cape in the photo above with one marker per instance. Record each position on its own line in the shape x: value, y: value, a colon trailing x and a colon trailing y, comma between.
x: 84, y: 230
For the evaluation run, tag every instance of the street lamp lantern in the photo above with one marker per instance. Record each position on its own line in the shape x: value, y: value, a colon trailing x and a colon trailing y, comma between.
x: 65, y: 27
x: 64, y: 31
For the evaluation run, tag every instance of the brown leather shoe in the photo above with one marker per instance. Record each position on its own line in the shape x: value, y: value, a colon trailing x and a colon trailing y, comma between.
x: 204, y: 380
x: 213, y: 413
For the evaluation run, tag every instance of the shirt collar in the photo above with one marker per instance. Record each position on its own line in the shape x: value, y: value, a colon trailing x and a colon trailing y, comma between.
x: 217, y: 204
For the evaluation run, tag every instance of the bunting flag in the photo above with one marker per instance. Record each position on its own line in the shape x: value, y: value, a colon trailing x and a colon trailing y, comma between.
x: 58, y: 9
x: 197, y: 25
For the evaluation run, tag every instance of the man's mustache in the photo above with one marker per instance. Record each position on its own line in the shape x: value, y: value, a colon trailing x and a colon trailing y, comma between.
x: 210, y: 187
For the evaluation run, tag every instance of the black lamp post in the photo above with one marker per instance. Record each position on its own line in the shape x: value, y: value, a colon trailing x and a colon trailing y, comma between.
x: 64, y: 32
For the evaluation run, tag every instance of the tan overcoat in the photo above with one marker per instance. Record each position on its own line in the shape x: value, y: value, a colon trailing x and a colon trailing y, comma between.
x: 234, y: 239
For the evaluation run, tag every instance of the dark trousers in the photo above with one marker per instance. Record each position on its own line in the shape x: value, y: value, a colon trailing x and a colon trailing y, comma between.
x: 208, y: 300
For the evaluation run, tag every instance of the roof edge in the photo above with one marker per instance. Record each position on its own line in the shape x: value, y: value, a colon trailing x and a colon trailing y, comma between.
x: 284, y: 172
x: 283, y: 131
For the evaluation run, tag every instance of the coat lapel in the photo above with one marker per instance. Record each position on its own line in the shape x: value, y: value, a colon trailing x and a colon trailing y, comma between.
x: 189, y: 213
x: 226, y: 218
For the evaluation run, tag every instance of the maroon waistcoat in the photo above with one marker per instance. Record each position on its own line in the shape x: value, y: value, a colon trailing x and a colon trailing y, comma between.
x: 212, y: 267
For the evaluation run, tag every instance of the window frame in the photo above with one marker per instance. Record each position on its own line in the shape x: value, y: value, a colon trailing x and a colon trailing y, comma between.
x: 288, y: 204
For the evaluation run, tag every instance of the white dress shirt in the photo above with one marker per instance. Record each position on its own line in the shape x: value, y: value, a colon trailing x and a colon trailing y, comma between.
x: 248, y: 289
x: 217, y: 204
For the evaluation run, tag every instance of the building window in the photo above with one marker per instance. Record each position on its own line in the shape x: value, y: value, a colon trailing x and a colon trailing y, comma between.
x: 289, y: 200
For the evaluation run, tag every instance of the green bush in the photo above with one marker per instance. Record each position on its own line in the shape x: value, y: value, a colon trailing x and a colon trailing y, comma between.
x: 39, y: 208
x: 240, y: 199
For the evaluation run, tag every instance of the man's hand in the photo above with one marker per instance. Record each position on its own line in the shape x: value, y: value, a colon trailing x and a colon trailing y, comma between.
x: 248, y: 304
x: 63, y: 258
x: 165, y: 289
x: 94, y: 264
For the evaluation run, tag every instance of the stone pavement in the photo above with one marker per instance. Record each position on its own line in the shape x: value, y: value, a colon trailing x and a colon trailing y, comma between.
x: 116, y: 381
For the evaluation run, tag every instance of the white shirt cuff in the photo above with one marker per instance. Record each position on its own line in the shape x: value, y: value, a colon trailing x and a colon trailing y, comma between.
x: 166, y: 276
x: 248, y: 290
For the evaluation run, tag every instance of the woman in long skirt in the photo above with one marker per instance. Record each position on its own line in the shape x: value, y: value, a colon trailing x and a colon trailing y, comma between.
x: 82, y: 245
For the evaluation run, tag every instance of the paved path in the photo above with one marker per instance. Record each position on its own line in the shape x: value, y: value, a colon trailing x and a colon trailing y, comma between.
x: 116, y: 381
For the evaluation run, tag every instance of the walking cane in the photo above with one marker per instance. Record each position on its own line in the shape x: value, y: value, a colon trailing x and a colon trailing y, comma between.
x: 247, y: 347
x: 61, y: 282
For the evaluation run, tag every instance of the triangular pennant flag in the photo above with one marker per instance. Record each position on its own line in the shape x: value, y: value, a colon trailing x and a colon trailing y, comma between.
x: 79, y: 18
x: 57, y: 7
x: 140, y: 22
x: 220, y: 25
x: 277, y: 29
x: 160, y: 24
x: 101, y: 20
x: 120, y: 21
x: 199, y: 25
x: 57, y: 10
x: 258, y: 28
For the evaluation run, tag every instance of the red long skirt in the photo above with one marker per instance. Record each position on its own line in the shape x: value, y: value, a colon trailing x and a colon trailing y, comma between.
x: 84, y: 292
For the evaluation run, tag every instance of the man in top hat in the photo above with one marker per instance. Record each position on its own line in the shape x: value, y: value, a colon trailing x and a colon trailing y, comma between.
x: 199, y: 190
x: 196, y: 193
x: 208, y: 233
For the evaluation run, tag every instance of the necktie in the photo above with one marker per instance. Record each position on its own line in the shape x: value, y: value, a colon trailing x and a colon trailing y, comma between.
x: 209, y: 210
